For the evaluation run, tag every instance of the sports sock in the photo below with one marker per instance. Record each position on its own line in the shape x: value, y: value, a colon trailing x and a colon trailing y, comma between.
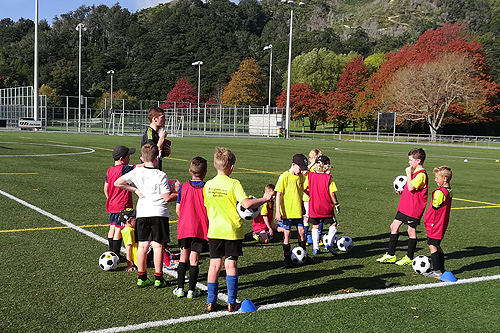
x: 142, y: 275
x: 320, y: 230
x: 412, y: 245
x: 441, y: 261
x: 158, y: 276
x: 393, y: 241
x: 181, y: 274
x: 232, y: 288
x: 306, y: 228
x: 435, y: 261
x: 332, y: 235
x: 286, y: 251
x: 213, y: 290
x: 315, y: 237
x: 193, y: 276
x: 302, y: 244
x: 110, y: 244
x: 117, y: 244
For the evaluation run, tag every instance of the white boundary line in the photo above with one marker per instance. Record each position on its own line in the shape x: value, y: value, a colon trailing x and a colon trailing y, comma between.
x: 88, y: 150
x: 219, y: 314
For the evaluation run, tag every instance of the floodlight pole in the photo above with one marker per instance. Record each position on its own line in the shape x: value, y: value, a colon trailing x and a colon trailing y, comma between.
x: 198, y: 63
x: 35, y: 71
x: 288, y: 81
x: 111, y: 72
x: 79, y: 28
x: 270, y: 48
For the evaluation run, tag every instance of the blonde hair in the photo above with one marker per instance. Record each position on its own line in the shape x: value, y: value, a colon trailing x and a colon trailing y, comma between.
x: 149, y: 152
x: 314, y: 153
x: 321, y: 168
x: 223, y: 158
x: 444, y: 171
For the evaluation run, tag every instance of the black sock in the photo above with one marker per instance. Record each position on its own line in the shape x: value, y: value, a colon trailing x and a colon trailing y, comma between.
x: 181, y: 274
x: 441, y: 261
x: 393, y: 241
x: 110, y: 244
x: 142, y: 275
x: 158, y: 276
x: 117, y: 245
x: 436, y: 266
x: 193, y: 276
x: 302, y: 244
x: 412, y: 245
x: 286, y: 251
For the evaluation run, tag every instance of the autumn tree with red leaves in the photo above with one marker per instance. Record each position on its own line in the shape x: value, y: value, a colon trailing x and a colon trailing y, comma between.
x: 450, y: 38
x: 304, y: 102
x: 182, y: 94
x: 340, y: 102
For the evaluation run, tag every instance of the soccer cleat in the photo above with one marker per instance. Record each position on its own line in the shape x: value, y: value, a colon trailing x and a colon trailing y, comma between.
x: 178, y: 292
x: 332, y: 250
x: 387, y: 259
x: 161, y: 283
x: 288, y: 264
x: 433, y: 274
x: 255, y: 236
x: 193, y: 294
x: 144, y: 283
x: 122, y: 258
x: 233, y: 307
x: 316, y: 251
x: 405, y: 261
x: 210, y: 307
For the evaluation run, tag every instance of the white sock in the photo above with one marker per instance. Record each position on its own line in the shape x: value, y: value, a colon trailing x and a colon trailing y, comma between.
x: 332, y: 235
x: 315, y: 237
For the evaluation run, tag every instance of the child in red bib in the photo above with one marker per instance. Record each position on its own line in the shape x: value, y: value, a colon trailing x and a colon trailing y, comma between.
x: 410, y: 209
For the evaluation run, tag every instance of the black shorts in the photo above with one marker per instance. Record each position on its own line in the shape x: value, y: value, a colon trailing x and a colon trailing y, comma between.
x: 433, y: 242
x: 155, y: 228
x: 194, y: 244
x: 405, y: 219
x: 231, y: 249
x: 324, y: 220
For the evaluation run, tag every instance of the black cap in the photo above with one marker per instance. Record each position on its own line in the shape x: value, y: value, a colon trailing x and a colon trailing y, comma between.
x: 122, y: 151
x: 300, y: 160
x: 323, y: 160
x: 126, y: 214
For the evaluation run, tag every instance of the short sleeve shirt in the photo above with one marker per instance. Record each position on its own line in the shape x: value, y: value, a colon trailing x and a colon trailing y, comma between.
x: 291, y: 188
x: 221, y: 196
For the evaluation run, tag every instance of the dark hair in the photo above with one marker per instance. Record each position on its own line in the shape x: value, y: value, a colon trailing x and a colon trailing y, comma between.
x: 418, y: 154
x: 198, y: 166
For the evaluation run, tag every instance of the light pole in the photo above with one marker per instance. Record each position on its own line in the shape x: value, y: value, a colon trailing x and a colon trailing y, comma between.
x: 288, y: 113
x: 111, y: 72
x: 198, y: 63
x: 270, y: 48
x: 35, y: 71
x: 79, y: 28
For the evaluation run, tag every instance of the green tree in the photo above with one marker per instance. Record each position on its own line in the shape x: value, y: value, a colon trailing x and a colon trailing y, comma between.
x: 246, y: 86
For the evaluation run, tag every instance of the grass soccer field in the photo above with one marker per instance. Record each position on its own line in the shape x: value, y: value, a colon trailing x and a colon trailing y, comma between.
x: 52, y: 222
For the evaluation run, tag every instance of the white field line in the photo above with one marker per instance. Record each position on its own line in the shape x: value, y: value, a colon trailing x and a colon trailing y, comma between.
x: 87, y: 150
x: 221, y: 296
x: 219, y: 314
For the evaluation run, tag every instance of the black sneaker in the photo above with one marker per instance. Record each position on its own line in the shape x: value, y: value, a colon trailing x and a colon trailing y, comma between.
x: 332, y: 250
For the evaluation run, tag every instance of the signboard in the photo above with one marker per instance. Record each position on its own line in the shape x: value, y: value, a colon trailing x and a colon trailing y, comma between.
x: 386, y: 119
x: 30, y: 123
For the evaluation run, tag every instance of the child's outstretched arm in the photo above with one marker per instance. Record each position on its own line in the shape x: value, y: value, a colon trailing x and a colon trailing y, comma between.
x: 254, y: 203
x: 122, y: 183
x: 130, y: 262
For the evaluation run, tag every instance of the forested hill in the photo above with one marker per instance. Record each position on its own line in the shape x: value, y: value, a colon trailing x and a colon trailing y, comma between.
x: 152, y: 49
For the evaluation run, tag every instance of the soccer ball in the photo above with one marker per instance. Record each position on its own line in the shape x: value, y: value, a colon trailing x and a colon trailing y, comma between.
x: 344, y: 243
x: 421, y: 264
x: 326, y: 240
x: 299, y: 255
x: 173, y: 185
x: 108, y: 261
x: 247, y: 214
x: 399, y: 183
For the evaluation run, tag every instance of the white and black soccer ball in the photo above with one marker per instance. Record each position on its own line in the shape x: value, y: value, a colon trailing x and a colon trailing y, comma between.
x: 299, y: 255
x: 247, y: 214
x: 421, y: 264
x: 399, y: 183
x: 108, y: 261
x: 345, y: 244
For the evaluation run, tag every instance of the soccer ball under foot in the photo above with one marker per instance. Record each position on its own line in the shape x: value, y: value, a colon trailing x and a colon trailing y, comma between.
x: 421, y: 264
x: 299, y: 256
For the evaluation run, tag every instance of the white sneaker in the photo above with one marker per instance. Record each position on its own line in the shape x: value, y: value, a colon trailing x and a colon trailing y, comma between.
x: 193, y: 293
x: 178, y: 292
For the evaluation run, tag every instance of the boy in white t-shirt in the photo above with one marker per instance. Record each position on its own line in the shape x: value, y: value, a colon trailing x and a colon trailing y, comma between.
x: 151, y: 185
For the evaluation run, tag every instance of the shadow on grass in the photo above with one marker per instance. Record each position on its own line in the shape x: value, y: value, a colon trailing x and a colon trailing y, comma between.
x: 478, y: 265
x: 473, y: 251
x: 331, y: 286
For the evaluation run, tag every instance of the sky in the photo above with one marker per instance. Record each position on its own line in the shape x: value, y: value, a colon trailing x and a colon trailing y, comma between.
x: 48, y: 9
